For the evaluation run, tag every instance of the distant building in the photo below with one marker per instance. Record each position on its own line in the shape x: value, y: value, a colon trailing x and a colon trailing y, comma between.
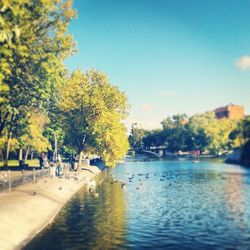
x: 230, y: 111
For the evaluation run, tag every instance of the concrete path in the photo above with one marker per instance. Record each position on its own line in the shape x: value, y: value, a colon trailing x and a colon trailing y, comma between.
x: 28, y: 209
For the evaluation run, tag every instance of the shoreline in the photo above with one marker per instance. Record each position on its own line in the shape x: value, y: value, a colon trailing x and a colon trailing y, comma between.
x: 30, y: 208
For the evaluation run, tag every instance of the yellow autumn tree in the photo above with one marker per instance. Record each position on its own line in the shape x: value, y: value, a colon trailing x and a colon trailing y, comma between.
x: 34, y: 138
x: 219, y: 131
x: 94, y: 111
x: 110, y: 140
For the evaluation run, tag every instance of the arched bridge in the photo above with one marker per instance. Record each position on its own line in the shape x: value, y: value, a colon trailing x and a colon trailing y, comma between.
x: 154, y: 154
x: 153, y: 151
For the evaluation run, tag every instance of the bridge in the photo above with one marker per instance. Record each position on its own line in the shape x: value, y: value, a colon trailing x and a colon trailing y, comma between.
x: 154, y: 151
x: 151, y: 153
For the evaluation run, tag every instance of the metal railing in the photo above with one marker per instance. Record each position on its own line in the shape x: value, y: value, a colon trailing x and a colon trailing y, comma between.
x: 11, y: 179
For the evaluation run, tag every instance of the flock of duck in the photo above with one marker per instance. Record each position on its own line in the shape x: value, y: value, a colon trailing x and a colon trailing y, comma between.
x: 147, y: 176
x: 140, y: 177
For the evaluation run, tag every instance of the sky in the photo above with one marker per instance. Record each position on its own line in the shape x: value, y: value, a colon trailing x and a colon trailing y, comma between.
x: 168, y: 56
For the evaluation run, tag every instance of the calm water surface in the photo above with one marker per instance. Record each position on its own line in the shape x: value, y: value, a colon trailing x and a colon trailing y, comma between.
x: 166, y: 205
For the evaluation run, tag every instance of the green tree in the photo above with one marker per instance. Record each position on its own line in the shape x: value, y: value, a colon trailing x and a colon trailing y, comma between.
x: 197, y: 137
x: 33, y: 44
x: 241, y: 134
x: 241, y: 138
x: 136, y: 138
x: 174, y: 132
x: 154, y: 138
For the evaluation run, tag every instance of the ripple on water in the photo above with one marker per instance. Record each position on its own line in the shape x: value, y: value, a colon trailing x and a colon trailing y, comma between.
x: 167, y: 204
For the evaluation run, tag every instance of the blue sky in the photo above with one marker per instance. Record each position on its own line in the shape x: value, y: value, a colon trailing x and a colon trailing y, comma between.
x: 169, y: 56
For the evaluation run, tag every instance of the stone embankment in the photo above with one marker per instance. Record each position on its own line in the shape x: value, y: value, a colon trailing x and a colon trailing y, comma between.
x: 29, y: 208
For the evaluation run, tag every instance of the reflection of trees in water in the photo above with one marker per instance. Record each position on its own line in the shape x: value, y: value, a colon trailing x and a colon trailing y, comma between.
x: 87, y: 222
x: 236, y: 198
x: 109, y: 217
x: 98, y: 223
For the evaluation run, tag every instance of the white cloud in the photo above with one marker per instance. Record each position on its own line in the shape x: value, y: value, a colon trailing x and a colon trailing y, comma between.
x: 243, y: 63
x: 146, y: 107
x: 168, y: 93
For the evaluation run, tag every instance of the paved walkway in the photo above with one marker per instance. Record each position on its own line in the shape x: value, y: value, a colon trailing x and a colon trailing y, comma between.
x: 30, y: 208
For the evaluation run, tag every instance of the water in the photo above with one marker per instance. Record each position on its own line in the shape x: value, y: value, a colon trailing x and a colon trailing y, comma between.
x: 173, y: 205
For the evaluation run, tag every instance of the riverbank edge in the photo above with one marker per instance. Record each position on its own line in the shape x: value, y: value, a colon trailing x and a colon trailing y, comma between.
x: 46, y: 223
x: 40, y: 214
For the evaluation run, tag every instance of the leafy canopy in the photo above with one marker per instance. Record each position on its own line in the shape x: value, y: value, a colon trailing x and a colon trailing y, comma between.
x: 94, y: 110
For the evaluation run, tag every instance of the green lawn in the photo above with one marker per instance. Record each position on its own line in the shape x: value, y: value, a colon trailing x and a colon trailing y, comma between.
x: 15, y: 163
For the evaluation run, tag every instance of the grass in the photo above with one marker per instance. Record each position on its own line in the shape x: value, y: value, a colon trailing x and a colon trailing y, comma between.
x: 15, y: 163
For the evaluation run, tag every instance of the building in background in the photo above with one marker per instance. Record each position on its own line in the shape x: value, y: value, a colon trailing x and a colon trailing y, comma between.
x: 230, y: 111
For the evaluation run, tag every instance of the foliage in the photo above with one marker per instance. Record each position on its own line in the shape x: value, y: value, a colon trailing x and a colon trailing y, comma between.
x: 14, y: 144
x: 109, y: 138
x: 200, y: 132
x: 93, y: 111
x: 136, y: 137
x: 153, y: 138
x: 175, y: 121
x: 241, y: 138
x: 219, y: 131
x: 245, y: 157
x: 33, y: 44
x: 241, y: 134
x: 34, y: 137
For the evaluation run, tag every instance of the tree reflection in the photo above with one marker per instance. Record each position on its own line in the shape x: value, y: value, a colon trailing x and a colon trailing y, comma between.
x: 88, y: 222
x: 109, y: 219
x: 236, y: 198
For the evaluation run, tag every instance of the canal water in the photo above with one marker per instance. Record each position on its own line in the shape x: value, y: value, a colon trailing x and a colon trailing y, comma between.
x: 165, y: 204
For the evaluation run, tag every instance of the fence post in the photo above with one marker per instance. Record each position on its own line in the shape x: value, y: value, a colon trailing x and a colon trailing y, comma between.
x: 67, y: 168
x: 9, y: 180
x: 22, y: 176
x: 34, y: 176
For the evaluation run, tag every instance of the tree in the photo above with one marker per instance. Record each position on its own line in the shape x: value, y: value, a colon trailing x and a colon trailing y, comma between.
x: 34, y: 138
x: 174, y: 132
x: 246, y: 128
x: 219, y: 131
x: 241, y: 138
x: 7, y: 145
x: 54, y: 130
x: 215, y: 131
x: 178, y: 120
x: 33, y: 45
x: 198, y: 138
x: 109, y: 138
x: 136, y: 138
x: 94, y: 110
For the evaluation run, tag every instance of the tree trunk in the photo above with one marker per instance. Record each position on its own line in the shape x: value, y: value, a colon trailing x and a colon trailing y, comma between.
x: 27, y: 153
x: 20, y: 157
x: 32, y: 155
x: 7, y: 151
x: 80, y: 161
x: 81, y: 153
x: 55, y: 149
x: 1, y: 155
